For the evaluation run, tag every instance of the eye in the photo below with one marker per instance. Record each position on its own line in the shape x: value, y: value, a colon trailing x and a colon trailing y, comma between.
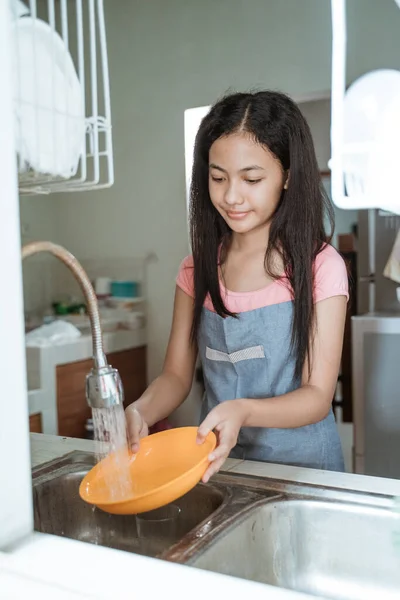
x: 217, y: 179
x: 253, y: 181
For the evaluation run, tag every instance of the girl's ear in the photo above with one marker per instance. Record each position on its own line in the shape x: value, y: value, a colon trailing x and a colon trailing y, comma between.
x: 285, y: 187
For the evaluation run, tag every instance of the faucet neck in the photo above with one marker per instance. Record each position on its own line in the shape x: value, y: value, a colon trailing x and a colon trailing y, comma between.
x: 104, y: 387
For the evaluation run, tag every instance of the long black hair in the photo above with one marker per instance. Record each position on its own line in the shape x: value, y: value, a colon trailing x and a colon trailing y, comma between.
x: 297, y: 231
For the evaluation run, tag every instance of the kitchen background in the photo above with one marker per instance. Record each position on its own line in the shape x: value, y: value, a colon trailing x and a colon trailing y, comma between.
x: 165, y: 58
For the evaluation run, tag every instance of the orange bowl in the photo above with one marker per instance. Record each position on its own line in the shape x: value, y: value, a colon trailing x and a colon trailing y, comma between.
x: 167, y: 466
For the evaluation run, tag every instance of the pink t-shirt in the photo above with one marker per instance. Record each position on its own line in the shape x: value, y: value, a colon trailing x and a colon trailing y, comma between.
x: 330, y: 280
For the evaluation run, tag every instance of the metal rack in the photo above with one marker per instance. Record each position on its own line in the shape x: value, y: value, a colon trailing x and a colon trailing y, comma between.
x: 352, y: 163
x: 61, y: 96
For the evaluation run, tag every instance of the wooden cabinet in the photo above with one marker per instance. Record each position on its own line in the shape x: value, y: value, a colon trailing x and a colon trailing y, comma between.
x: 132, y: 367
x: 72, y: 406
x: 35, y: 423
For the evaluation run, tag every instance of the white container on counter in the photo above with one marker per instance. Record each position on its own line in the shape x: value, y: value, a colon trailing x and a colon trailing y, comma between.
x: 133, y: 320
x: 102, y: 286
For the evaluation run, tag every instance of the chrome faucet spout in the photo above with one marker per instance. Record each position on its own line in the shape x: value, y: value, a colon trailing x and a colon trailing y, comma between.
x: 103, y: 384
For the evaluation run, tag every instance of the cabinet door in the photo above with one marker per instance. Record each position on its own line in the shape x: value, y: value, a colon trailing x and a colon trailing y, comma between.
x: 132, y: 367
x: 381, y: 405
x: 35, y: 423
x: 73, y: 410
x: 72, y: 406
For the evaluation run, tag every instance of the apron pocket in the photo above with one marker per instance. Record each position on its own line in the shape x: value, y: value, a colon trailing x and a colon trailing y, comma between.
x: 235, y: 357
x: 243, y: 373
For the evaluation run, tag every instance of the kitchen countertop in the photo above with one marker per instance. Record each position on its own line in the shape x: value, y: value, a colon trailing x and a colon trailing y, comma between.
x: 39, y: 563
x: 48, y: 447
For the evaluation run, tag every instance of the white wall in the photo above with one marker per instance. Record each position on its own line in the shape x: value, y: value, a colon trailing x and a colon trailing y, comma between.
x: 318, y: 115
x: 166, y: 57
x: 37, y: 221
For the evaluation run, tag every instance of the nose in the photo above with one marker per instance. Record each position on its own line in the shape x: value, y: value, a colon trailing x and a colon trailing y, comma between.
x: 232, y: 195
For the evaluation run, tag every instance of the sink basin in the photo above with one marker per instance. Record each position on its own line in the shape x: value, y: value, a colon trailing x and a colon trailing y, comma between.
x: 59, y: 510
x: 326, y: 542
x: 324, y: 547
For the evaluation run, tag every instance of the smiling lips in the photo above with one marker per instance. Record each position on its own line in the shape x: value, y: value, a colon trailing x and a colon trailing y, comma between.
x: 237, y: 216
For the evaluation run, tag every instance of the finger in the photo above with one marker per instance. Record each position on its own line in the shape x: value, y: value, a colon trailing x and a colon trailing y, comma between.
x: 209, y: 423
x: 212, y: 469
x: 226, y: 441
x: 221, y: 451
x: 134, y: 423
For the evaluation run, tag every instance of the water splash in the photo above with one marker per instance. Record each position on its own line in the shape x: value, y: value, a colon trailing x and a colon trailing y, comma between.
x: 111, y: 441
x: 109, y: 430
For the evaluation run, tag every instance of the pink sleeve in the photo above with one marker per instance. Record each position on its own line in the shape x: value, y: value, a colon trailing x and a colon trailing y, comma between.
x: 185, y: 276
x: 331, y: 277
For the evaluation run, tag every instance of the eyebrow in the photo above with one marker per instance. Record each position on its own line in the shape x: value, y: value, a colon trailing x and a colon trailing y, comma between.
x: 244, y: 170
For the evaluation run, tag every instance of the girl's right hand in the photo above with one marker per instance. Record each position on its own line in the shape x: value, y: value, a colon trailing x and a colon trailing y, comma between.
x: 136, y: 427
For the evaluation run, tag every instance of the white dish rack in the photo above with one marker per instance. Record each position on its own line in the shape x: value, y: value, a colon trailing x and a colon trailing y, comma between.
x: 61, y: 94
x: 365, y: 126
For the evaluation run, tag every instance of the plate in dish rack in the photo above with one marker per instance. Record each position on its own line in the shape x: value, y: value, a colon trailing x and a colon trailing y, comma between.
x: 48, y: 99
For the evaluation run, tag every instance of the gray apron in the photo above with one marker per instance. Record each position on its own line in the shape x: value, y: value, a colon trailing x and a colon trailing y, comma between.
x: 250, y: 357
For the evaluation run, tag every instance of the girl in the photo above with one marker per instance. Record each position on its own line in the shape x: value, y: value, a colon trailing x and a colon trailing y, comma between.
x: 263, y: 298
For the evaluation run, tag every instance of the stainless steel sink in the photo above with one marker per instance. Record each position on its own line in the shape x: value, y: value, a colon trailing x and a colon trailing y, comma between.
x: 325, y: 543
x: 59, y: 510
x: 328, y: 543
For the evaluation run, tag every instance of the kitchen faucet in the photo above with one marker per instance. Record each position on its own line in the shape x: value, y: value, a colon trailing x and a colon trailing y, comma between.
x: 103, y: 383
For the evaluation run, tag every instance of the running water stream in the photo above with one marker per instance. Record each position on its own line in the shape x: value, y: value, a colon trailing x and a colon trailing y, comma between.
x: 111, y: 441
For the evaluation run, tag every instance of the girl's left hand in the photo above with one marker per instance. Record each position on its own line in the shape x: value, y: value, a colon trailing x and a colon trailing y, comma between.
x: 227, y: 418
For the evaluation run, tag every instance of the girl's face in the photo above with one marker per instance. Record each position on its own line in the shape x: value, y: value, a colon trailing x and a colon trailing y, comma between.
x: 245, y: 182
